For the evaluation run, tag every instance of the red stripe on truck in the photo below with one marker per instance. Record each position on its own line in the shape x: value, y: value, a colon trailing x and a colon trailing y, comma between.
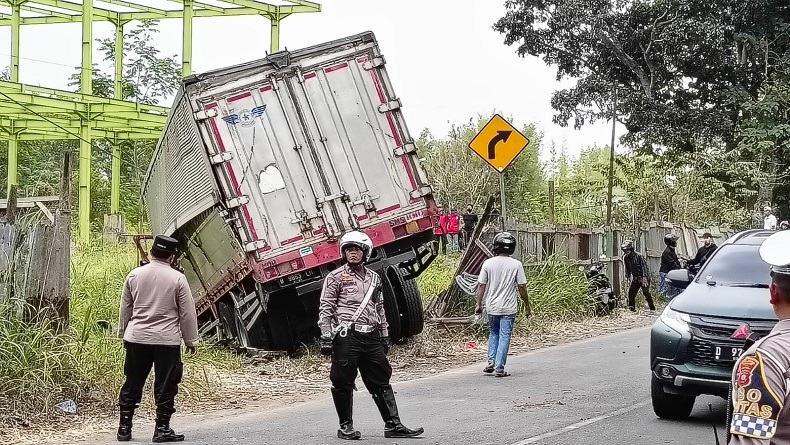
x: 266, y: 88
x: 232, y: 174
x: 309, y: 76
x: 336, y: 67
x: 239, y: 97
x: 292, y: 240
x: 391, y: 123
x: 324, y: 252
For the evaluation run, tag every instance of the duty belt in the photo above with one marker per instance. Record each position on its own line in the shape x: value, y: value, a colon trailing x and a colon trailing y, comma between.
x: 343, y: 328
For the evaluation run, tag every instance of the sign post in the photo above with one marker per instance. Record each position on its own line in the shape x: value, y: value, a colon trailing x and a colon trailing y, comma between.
x: 499, y: 143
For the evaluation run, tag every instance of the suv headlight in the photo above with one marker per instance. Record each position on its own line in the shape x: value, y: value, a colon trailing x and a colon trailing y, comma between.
x: 676, y: 320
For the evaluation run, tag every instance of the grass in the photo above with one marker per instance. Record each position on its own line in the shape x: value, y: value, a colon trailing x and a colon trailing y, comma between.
x: 40, y: 368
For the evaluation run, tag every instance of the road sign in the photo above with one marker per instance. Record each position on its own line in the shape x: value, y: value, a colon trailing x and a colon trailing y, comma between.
x: 498, y: 143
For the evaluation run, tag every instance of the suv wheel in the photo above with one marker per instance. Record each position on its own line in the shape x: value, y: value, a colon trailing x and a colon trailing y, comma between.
x: 669, y: 406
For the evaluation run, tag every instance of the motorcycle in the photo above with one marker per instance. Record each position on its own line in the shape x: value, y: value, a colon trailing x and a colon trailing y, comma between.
x: 600, y: 289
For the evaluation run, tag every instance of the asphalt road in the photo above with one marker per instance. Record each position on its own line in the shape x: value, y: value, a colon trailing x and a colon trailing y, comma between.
x: 590, y: 392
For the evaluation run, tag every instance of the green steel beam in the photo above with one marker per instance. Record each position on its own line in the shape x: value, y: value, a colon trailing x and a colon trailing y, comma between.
x: 115, y: 176
x: 186, y: 40
x: 274, y: 36
x: 80, y: 8
x: 86, y: 144
x: 13, y: 145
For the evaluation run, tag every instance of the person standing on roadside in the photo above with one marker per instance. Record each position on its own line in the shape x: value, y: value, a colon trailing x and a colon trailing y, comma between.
x: 453, y: 228
x: 439, y: 229
x: 669, y: 261
x: 704, y: 252
x: 637, y: 270
x: 355, y: 332
x: 760, y: 390
x: 157, y: 311
x: 470, y: 222
x: 769, y: 219
x: 500, y: 279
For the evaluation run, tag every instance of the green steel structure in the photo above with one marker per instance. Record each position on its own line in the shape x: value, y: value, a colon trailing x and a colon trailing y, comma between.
x: 29, y: 113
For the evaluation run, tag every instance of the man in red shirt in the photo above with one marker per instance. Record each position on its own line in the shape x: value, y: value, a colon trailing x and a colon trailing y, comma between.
x: 453, y: 230
x: 439, y: 230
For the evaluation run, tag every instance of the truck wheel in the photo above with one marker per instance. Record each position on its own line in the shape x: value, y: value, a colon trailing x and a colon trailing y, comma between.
x: 391, y: 308
x: 227, y: 320
x: 409, y: 301
x: 669, y: 406
x: 281, y: 338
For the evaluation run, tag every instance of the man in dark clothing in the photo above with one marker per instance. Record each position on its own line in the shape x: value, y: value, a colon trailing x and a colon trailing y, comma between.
x: 704, y: 252
x: 355, y: 332
x: 638, y: 272
x: 470, y: 221
x: 669, y: 261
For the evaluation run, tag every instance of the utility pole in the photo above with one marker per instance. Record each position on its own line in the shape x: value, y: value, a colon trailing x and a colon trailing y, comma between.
x: 611, y: 159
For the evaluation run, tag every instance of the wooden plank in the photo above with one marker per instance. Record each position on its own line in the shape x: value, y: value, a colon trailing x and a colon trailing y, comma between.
x: 29, y: 203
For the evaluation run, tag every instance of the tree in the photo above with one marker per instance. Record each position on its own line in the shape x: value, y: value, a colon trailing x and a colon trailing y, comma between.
x: 685, y: 70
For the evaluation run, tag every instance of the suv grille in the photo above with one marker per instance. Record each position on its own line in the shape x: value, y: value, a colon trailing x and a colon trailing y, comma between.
x: 710, y: 332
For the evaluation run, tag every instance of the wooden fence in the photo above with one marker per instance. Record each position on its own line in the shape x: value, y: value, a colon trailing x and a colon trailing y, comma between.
x: 577, y: 245
x: 35, y: 251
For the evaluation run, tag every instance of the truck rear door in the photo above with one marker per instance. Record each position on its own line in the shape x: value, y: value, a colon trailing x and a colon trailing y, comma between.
x: 313, y: 150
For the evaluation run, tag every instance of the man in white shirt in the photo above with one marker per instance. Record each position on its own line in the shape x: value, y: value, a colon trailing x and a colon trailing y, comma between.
x: 769, y: 220
x: 499, y: 280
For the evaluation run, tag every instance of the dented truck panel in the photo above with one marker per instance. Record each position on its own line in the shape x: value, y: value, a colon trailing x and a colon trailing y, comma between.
x: 312, y: 149
x: 262, y: 168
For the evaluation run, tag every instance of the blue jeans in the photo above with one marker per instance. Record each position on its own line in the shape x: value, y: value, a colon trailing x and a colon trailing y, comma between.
x: 500, y: 328
x: 662, y: 283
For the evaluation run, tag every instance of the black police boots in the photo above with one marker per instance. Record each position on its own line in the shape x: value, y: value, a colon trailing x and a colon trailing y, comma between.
x: 344, y: 402
x: 385, y: 401
x: 125, y: 426
x: 163, y: 432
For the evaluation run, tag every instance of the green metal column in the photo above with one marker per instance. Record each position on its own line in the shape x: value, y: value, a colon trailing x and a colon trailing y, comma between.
x: 186, y: 58
x: 86, y: 87
x: 115, y: 178
x: 13, y: 143
x: 275, y: 35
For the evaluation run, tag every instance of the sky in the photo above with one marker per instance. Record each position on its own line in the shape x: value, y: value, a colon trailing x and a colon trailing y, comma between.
x: 445, y: 61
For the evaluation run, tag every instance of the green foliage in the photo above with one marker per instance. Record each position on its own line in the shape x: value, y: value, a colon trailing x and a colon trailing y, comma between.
x: 557, y: 289
x: 694, y: 77
x: 39, y: 368
x: 437, y: 277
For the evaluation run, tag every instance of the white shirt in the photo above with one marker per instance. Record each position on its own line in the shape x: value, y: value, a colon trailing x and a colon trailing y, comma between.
x: 769, y: 222
x: 501, y: 275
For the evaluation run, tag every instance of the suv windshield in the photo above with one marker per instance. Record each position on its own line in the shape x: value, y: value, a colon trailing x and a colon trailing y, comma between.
x: 736, y: 265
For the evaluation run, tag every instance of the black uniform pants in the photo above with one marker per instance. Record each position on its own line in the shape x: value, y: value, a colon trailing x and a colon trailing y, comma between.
x: 363, y: 353
x: 633, y: 289
x: 168, y: 371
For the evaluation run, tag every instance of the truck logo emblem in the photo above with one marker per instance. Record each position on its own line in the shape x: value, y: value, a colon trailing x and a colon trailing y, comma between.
x: 245, y: 117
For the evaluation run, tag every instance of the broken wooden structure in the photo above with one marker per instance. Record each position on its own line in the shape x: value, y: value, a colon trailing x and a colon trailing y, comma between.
x: 35, y: 251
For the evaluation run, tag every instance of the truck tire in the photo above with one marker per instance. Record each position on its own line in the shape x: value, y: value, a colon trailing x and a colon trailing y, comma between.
x: 391, y: 309
x: 227, y: 320
x: 669, y: 406
x: 280, y: 338
x: 409, y: 302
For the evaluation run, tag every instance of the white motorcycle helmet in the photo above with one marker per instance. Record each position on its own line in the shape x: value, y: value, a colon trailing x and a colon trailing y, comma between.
x: 358, y: 239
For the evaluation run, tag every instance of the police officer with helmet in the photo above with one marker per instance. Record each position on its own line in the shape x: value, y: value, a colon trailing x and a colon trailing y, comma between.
x: 354, y: 332
x: 157, y: 311
x: 757, y: 413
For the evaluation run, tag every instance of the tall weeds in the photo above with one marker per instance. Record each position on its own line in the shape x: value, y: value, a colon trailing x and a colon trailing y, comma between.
x: 40, y: 368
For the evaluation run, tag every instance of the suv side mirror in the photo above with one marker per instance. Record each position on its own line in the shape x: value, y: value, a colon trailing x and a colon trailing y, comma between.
x: 679, y: 278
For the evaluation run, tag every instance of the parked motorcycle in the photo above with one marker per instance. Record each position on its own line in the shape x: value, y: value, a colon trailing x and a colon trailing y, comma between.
x: 600, y: 289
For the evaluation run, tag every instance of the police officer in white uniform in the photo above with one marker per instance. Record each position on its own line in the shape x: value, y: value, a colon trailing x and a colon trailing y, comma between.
x: 354, y: 331
x: 760, y: 387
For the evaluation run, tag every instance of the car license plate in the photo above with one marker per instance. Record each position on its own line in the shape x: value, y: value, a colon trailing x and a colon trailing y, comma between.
x: 726, y: 353
x: 297, y: 277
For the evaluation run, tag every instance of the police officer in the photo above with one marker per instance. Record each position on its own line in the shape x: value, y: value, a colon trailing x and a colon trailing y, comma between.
x: 157, y: 311
x: 354, y: 332
x: 637, y: 270
x: 760, y: 390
